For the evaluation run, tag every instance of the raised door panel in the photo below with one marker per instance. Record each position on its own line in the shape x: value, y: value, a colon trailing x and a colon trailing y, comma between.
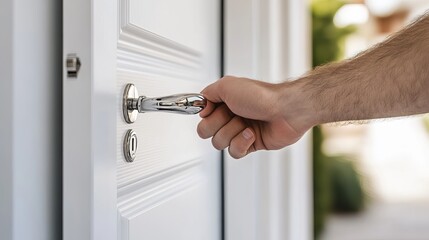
x: 172, y: 189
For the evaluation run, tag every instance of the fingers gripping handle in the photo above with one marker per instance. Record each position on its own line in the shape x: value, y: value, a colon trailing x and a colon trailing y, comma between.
x: 188, y: 103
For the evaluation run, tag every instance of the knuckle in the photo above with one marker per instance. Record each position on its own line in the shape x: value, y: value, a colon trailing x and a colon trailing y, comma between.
x: 235, y: 153
x: 238, y: 149
x: 225, y: 114
x: 201, y: 130
x: 218, y: 142
x: 210, y: 125
x: 231, y: 153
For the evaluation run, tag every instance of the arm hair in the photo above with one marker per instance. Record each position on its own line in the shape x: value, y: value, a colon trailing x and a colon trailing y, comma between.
x: 388, y: 80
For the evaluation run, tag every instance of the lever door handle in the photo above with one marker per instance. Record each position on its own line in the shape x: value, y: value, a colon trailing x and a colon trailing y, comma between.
x: 133, y: 104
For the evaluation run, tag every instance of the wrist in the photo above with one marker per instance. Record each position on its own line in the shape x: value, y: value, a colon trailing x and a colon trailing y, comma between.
x: 297, y: 105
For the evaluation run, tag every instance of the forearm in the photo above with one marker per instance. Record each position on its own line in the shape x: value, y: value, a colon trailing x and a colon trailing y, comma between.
x: 389, y: 80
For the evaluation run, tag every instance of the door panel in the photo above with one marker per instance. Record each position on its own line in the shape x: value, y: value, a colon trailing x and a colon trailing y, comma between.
x: 172, y: 189
x: 173, y: 18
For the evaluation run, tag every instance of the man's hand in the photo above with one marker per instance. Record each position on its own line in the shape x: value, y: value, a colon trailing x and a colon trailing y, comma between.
x: 388, y: 80
x: 247, y: 116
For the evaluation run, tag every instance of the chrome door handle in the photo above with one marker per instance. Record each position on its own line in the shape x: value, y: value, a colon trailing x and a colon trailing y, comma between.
x: 187, y: 103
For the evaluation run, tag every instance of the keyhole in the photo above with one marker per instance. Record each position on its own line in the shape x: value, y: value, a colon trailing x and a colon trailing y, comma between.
x: 132, y: 144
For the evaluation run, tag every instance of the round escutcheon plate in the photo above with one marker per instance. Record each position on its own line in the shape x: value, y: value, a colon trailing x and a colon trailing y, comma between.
x: 130, y: 145
x: 130, y: 95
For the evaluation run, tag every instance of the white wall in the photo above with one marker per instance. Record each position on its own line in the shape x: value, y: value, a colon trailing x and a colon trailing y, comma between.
x: 30, y: 119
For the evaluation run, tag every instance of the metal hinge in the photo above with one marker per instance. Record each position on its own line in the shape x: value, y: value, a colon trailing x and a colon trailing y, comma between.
x: 72, y: 65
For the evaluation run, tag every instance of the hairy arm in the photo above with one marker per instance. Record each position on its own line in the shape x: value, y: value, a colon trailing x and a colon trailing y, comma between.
x: 388, y: 80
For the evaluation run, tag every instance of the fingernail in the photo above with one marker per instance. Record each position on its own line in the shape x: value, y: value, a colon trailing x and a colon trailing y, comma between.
x: 247, y: 133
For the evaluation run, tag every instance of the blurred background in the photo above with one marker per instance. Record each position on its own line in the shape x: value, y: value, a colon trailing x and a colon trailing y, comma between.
x: 371, y: 181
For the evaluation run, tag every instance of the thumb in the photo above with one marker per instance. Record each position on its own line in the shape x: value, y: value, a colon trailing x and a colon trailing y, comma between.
x: 213, y: 96
x: 212, y: 92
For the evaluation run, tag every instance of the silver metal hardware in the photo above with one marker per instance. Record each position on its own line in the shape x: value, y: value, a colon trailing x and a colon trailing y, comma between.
x: 187, y: 103
x: 130, y: 94
x: 72, y: 65
x: 130, y: 145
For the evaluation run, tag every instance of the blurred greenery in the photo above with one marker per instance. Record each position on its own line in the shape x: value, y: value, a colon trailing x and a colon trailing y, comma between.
x: 328, y: 40
x: 347, y: 195
x: 321, y: 191
x: 335, y: 180
x: 337, y: 184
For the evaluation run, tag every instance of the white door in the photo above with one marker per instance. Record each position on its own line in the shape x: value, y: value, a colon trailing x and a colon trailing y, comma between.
x: 172, y: 190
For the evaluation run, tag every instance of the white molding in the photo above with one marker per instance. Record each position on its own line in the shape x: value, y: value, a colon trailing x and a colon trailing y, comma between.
x: 146, y: 41
x: 300, y: 172
x: 261, y: 43
x: 89, y: 155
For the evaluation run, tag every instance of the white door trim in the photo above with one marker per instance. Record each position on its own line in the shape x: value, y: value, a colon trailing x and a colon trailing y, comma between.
x: 268, y: 194
x: 89, y: 155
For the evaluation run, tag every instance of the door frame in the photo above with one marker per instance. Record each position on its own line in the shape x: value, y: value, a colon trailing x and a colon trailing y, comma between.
x: 271, y: 194
x: 89, y: 156
x: 268, y: 195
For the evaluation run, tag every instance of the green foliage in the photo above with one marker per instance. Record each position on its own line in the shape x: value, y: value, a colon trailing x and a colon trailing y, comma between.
x: 336, y: 184
x: 328, y: 40
x: 347, y: 194
x: 321, y: 191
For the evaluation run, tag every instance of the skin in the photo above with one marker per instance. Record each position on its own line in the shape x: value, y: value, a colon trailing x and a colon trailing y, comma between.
x: 388, y: 80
